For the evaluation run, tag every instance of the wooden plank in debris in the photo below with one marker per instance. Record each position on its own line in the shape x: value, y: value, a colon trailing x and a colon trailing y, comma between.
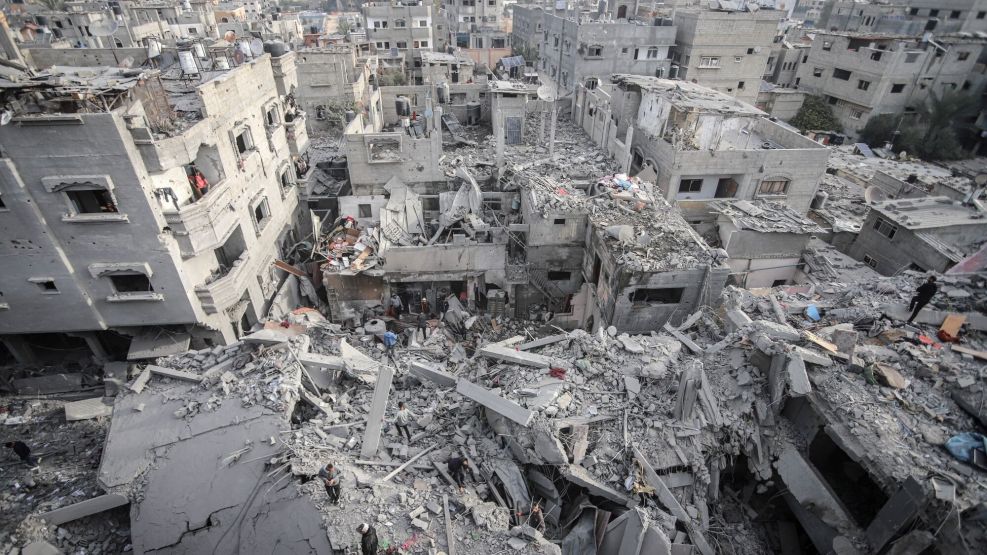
x: 282, y: 265
x: 952, y: 324
x: 829, y: 346
x: 671, y: 503
x: 972, y: 352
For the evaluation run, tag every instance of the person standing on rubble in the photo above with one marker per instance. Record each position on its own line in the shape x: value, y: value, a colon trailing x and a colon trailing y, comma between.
x: 396, y: 306
x: 923, y: 295
x: 423, y: 325
x: 390, y: 340
x: 23, y: 451
x: 402, y: 418
x: 457, y: 467
x: 368, y: 539
x: 330, y: 478
x: 426, y: 308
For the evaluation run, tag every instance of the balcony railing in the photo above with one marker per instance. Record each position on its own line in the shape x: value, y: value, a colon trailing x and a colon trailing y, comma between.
x: 223, y: 292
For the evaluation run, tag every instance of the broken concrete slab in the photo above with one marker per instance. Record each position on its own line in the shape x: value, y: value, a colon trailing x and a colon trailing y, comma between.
x: 912, y: 543
x: 541, y: 342
x: 846, y: 342
x: 736, y: 320
x: 774, y: 330
x: 427, y: 371
x: 581, y: 477
x: 655, y: 542
x: 266, y: 337
x: 667, y: 499
x: 805, y: 484
x: 40, y: 548
x: 548, y: 447
x: 321, y: 368
x: 157, y: 343
x: 174, y: 374
x: 140, y: 381
x: 51, y: 383
x: 88, y: 408
x: 85, y: 508
x: 900, y: 510
x: 375, y: 419
x: 512, y: 356
x: 357, y: 364
x: 505, y: 407
x: 689, y: 343
x: 810, y: 356
x: 798, y: 378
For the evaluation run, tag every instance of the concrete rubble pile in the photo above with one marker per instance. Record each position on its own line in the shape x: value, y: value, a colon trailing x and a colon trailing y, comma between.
x: 795, y: 414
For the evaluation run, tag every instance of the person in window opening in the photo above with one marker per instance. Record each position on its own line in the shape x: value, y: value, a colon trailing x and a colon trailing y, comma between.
x: 108, y: 206
x: 199, y: 183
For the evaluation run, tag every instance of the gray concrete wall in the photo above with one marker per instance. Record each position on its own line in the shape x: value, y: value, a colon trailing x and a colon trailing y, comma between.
x: 84, y: 57
x: 898, y: 253
x: 460, y: 94
x: 417, y: 161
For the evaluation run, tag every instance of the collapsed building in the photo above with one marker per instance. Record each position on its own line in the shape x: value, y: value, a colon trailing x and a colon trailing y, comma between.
x: 699, y: 145
x: 160, y: 201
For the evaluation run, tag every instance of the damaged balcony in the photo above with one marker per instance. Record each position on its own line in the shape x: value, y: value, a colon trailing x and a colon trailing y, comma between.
x: 296, y: 133
x: 226, y: 285
x: 206, y: 222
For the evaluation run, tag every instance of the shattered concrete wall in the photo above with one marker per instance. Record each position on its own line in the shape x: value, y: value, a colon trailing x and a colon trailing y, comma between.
x: 330, y: 78
x: 411, y: 160
x: 84, y: 57
x: 907, y: 249
x: 761, y: 259
x: 460, y: 94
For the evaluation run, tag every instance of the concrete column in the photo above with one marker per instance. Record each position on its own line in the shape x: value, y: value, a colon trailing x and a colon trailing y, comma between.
x: 22, y: 352
x: 437, y: 128
x: 99, y: 353
x: 497, y: 121
x: 551, y: 138
x: 541, y: 133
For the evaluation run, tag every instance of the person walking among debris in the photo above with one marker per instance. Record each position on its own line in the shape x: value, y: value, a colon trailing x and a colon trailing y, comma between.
x: 923, y: 295
x: 457, y: 468
x: 423, y: 325
x: 390, y: 340
x: 401, y: 420
x: 426, y: 308
x: 396, y: 305
x: 23, y: 451
x: 537, y: 518
x: 330, y: 478
x: 368, y: 539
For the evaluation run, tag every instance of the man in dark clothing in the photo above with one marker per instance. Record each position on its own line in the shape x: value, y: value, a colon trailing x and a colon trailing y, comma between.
x: 22, y: 451
x: 423, y: 325
x: 330, y: 478
x: 368, y: 539
x: 923, y: 295
x: 457, y: 467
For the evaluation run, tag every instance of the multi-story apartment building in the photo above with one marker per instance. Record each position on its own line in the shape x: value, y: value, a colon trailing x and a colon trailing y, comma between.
x: 479, y: 28
x: 726, y: 51
x: 700, y: 144
x: 155, y: 210
x: 905, y: 17
x: 572, y: 49
x: 331, y: 82
x: 862, y: 75
x: 404, y: 27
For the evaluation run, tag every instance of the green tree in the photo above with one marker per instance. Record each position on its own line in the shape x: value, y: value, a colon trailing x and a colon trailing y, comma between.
x: 815, y: 115
x: 930, y: 132
x: 879, y: 129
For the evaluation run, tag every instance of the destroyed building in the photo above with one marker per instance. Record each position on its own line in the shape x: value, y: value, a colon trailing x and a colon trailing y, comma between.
x: 571, y: 49
x: 402, y: 27
x: 158, y: 201
x: 699, y: 144
x: 333, y: 81
x: 922, y: 234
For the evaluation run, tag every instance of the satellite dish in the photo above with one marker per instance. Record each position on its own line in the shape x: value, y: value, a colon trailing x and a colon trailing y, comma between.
x: 104, y: 27
x: 5, y: 117
x: 229, y: 36
x: 256, y: 47
x: 126, y: 62
x: 874, y: 194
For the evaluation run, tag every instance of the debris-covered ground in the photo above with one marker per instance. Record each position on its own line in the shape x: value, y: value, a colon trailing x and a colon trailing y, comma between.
x: 701, y: 435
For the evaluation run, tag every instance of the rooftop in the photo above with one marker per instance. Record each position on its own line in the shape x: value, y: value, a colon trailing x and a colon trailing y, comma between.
x: 429, y: 57
x: 688, y: 96
x: 764, y: 216
x: 930, y: 213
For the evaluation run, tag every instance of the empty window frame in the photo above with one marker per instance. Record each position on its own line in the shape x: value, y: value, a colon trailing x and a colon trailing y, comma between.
x: 91, y: 201
x: 885, y: 228
x: 709, y: 61
x: 664, y: 295
x: 870, y: 261
x: 690, y: 185
x: 595, y: 51
x: 863, y: 85
x: 559, y: 275
x: 841, y: 74
x: 773, y: 186
x: 897, y: 88
x: 243, y: 142
x: 364, y: 211
x: 262, y: 214
x: 131, y: 282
